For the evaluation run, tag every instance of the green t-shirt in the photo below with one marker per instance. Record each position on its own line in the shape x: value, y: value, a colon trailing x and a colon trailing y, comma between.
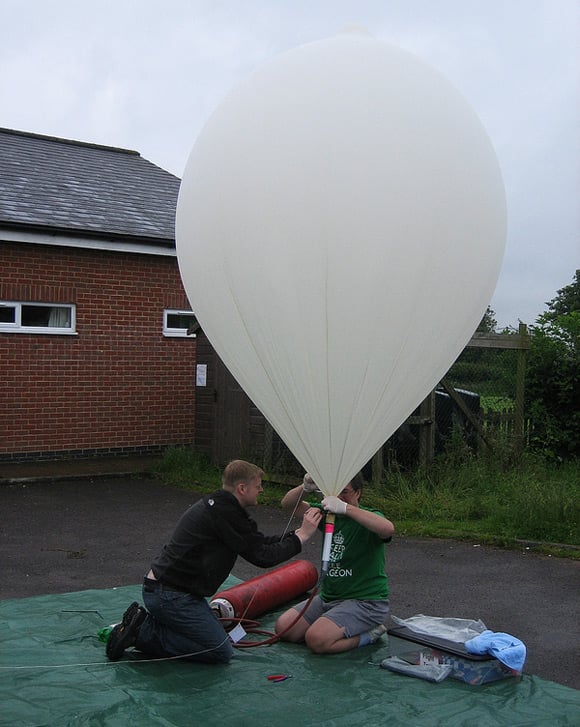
x: 357, y: 563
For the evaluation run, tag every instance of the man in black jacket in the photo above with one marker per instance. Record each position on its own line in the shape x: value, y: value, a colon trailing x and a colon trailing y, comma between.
x: 208, y: 538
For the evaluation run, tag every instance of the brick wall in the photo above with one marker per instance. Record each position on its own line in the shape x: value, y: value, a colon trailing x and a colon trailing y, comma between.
x: 117, y: 385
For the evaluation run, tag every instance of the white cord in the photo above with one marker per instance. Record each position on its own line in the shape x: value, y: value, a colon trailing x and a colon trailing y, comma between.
x: 116, y: 663
x: 298, y: 501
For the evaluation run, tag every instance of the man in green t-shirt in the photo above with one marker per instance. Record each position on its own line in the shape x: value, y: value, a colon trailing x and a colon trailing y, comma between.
x: 353, y: 602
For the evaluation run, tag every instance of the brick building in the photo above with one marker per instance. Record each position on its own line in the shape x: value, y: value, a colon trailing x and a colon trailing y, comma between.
x: 94, y: 353
x: 94, y: 357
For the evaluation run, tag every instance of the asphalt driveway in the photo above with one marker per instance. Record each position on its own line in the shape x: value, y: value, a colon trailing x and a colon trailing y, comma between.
x: 72, y: 535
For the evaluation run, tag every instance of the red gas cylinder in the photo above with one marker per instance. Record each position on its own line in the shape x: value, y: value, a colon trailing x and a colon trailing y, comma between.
x: 258, y: 595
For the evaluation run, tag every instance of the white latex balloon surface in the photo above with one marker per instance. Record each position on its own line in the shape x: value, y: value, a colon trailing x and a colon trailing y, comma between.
x: 340, y: 229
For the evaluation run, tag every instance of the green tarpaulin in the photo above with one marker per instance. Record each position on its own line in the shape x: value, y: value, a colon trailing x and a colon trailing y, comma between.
x: 53, y: 671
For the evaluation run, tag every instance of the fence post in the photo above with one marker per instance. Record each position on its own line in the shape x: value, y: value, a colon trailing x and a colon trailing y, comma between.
x: 520, y: 390
x: 427, y: 430
x: 471, y: 417
x: 377, y: 467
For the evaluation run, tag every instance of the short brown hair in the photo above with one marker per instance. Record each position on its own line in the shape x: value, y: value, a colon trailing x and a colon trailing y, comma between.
x: 240, y: 471
x: 357, y: 482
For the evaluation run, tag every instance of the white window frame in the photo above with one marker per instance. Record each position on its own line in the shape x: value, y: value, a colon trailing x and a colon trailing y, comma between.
x: 18, y: 327
x: 176, y: 332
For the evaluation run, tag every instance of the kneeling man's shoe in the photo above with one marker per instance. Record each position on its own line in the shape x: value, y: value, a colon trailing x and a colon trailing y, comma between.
x: 125, y: 633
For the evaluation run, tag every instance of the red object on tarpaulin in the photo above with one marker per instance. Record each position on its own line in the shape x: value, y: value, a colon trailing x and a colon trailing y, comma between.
x: 263, y: 593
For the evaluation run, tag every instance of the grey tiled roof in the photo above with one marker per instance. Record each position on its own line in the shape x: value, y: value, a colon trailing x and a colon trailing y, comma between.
x: 74, y: 187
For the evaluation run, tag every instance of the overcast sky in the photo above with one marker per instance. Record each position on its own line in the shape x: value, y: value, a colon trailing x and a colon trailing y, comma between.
x: 146, y: 75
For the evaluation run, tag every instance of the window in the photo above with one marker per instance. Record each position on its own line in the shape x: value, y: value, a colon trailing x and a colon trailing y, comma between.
x: 178, y: 322
x: 37, y: 318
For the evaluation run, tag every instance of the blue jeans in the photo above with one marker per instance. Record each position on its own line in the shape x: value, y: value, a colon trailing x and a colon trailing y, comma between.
x: 179, y: 624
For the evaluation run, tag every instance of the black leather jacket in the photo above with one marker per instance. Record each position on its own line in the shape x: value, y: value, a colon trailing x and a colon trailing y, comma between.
x: 207, y: 540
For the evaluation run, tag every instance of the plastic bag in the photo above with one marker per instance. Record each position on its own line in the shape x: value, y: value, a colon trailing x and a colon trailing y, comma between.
x: 430, y: 672
x: 457, y: 630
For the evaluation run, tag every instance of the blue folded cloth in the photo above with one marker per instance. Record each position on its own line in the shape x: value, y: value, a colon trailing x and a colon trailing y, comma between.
x: 504, y: 647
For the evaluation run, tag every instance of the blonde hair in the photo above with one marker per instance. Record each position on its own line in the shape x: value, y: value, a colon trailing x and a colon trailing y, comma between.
x: 240, y: 471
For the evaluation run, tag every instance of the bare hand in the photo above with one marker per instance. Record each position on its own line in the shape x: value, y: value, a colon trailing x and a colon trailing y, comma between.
x: 310, y: 522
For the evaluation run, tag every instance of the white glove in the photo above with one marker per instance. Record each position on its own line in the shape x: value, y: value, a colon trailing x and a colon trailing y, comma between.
x: 334, y: 504
x: 308, y: 484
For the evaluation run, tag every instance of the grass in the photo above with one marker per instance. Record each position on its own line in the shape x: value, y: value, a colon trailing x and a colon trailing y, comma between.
x: 496, y: 403
x: 533, y: 504
x: 184, y: 467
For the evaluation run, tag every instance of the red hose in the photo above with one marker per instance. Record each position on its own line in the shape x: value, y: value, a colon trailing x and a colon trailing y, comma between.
x: 273, y: 638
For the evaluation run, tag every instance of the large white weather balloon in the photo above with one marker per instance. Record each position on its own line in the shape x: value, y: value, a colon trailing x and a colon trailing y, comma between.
x: 340, y: 229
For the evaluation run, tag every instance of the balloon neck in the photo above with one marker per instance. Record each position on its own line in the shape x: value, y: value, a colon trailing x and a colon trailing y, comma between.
x: 328, y: 533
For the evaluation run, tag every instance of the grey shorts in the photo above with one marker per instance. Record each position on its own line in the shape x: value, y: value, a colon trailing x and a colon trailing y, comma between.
x: 355, y: 616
